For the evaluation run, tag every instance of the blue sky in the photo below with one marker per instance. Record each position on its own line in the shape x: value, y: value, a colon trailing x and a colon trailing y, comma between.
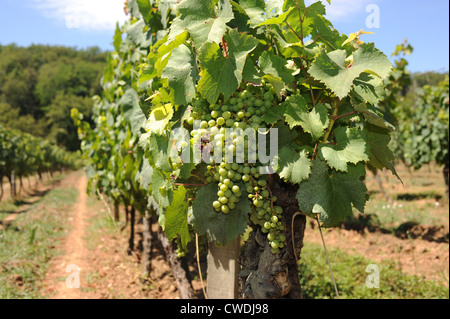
x: 84, y: 23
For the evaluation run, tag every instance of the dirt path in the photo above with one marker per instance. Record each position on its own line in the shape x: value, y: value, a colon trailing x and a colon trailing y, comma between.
x: 73, y: 260
x: 106, y: 271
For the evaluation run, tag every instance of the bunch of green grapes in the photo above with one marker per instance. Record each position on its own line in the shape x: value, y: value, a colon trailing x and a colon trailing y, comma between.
x: 242, y: 111
x: 180, y: 251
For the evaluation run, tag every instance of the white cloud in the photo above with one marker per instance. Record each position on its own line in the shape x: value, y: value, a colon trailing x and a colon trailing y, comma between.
x: 83, y: 14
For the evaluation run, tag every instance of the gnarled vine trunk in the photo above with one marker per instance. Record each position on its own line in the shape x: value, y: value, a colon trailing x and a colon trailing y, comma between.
x: 181, y: 276
x: 132, y: 225
x: 446, y: 178
x: 147, y: 246
x: 265, y: 275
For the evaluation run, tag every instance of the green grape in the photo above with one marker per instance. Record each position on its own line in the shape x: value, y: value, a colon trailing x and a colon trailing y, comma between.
x: 226, y: 115
x: 223, y: 172
x: 214, y: 114
x: 274, y: 244
x: 225, y: 209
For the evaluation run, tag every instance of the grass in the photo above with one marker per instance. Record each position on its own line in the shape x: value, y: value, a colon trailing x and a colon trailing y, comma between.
x: 27, y: 246
x: 350, y: 273
x: 420, y: 200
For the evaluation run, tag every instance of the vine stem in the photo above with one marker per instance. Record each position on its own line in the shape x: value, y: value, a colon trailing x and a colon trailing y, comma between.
x: 199, y: 268
x: 345, y: 115
x: 108, y: 209
x: 328, y: 259
x: 333, y: 120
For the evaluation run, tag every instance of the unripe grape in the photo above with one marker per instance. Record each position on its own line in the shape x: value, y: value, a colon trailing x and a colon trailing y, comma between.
x: 214, y: 114
x: 225, y: 209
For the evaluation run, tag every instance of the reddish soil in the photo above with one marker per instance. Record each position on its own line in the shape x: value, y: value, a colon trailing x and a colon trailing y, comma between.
x: 414, y: 256
x: 106, y: 270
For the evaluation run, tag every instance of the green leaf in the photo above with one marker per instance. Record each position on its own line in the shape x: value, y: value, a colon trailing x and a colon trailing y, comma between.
x: 274, y: 65
x: 181, y: 73
x: 369, y: 88
x: 293, y: 166
x: 117, y: 38
x: 145, y: 8
x: 176, y: 220
x: 278, y: 20
x: 380, y: 154
x: 332, y: 70
x: 373, y: 116
x: 274, y: 114
x: 314, y: 122
x: 351, y: 147
x: 332, y: 194
x: 160, y: 148
x: 220, y: 228
x: 223, y: 74
x: 255, y: 10
x: 132, y: 111
x: 204, y: 19
x: 159, y: 118
x: 161, y: 189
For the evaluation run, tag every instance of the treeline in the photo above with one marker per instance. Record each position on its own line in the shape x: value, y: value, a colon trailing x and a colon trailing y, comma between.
x: 39, y: 85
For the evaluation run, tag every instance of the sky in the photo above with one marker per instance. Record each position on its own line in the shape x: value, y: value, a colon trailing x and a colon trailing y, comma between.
x: 86, y: 23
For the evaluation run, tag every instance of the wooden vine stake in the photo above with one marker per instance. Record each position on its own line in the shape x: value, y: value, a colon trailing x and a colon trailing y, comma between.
x: 223, y: 268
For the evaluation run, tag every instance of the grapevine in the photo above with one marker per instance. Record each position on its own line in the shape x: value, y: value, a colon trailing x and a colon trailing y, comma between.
x: 196, y: 93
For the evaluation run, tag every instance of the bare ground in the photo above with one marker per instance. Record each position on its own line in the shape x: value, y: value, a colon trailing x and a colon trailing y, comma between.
x: 106, y: 270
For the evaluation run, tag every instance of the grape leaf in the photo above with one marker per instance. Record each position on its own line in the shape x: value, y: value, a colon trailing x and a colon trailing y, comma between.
x: 161, y: 189
x: 332, y: 194
x: 369, y: 88
x: 159, y: 118
x: 351, y: 147
x: 180, y: 73
x: 274, y: 114
x: 255, y: 10
x: 132, y: 111
x: 160, y: 148
x: 176, y: 221
x: 294, y: 166
x: 332, y: 70
x: 223, y: 74
x: 276, y: 66
x: 204, y: 19
x: 145, y: 8
x: 380, y: 154
x: 219, y: 227
x: 314, y: 122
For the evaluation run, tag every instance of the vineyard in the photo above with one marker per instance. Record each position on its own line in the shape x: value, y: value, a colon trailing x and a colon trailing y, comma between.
x: 248, y: 150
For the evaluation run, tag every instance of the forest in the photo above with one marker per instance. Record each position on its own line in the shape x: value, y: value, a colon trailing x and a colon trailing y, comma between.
x: 40, y: 84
